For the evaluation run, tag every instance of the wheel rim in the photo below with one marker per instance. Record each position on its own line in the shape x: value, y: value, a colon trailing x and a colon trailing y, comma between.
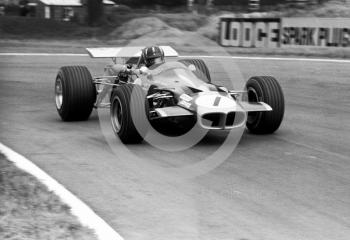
x: 253, y: 97
x: 58, y: 93
x: 117, y: 115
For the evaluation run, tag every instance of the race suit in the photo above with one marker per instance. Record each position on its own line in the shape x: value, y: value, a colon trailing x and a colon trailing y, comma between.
x: 116, y: 69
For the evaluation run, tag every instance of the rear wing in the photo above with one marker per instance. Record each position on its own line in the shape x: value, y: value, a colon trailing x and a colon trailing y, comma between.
x: 126, y: 52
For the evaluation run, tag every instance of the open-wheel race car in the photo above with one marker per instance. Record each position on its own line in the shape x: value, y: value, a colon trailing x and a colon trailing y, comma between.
x: 177, y: 92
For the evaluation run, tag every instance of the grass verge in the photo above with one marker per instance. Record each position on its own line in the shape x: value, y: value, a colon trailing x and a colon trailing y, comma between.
x: 29, y: 211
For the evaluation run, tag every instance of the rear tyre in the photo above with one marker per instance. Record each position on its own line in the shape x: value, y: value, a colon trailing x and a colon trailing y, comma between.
x: 75, y: 93
x: 265, y: 89
x: 201, y: 71
x: 129, y: 108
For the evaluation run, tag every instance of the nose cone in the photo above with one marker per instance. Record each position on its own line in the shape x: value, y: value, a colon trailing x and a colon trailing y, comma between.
x: 215, y: 102
x: 219, y: 112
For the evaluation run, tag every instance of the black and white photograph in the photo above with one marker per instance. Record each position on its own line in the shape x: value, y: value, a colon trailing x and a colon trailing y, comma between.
x: 174, y: 119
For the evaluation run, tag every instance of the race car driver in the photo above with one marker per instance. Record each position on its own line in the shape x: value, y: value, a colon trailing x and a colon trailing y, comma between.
x: 151, y: 57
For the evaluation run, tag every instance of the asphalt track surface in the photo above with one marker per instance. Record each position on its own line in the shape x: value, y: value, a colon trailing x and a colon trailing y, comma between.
x: 294, y: 184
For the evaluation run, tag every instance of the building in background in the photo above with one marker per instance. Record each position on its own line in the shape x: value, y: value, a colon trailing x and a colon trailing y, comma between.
x: 8, y: 2
x: 67, y: 10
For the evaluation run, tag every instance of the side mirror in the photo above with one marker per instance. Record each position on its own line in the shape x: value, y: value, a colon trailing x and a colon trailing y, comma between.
x: 192, y: 67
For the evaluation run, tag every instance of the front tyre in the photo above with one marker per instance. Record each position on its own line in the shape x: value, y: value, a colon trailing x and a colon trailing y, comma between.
x: 75, y: 93
x: 265, y: 89
x: 129, y: 109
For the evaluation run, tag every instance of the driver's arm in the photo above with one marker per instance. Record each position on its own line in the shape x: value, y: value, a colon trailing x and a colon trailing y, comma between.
x: 141, y: 71
x: 115, y: 69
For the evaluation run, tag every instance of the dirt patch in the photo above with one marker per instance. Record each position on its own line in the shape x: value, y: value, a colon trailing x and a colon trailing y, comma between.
x: 143, y: 26
x: 153, y: 31
x: 211, y: 29
x: 183, y: 21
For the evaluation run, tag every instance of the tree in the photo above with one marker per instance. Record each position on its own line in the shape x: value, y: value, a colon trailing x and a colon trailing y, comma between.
x: 94, y: 11
x: 171, y: 3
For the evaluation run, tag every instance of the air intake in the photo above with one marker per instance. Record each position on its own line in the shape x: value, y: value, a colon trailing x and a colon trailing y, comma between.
x: 212, y: 119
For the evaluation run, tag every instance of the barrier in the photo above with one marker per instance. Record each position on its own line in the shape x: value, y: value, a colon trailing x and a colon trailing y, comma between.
x: 315, y: 32
x: 285, y: 32
x: 249, y: 32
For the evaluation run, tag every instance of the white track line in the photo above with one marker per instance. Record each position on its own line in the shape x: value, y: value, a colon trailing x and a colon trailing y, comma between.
x: 274, y: 58
x: 327, y: 60
x: 83, y: 212
x: 46, y: 54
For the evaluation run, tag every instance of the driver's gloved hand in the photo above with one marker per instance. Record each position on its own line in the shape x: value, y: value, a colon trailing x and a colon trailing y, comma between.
x: 128, y: 69
x: 123, y: 76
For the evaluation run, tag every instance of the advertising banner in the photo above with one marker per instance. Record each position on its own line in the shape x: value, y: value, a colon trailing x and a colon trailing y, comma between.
x: 285, y: 32
x: 315, y: 32
x: 250, y: 32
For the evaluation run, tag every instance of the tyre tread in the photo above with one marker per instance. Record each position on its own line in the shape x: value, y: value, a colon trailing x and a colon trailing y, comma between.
x: 79, y: 93
x: 202, y: 70
x: 128, y: 132
x: 272, y: 94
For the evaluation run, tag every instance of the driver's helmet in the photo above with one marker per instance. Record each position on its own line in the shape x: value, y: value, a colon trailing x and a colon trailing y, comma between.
x: 152, y: 55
